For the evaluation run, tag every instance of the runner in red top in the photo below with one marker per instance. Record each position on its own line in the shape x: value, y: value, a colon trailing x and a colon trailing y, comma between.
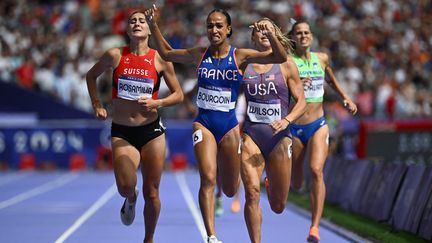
x: 137, y: 132
x: 136, y: 76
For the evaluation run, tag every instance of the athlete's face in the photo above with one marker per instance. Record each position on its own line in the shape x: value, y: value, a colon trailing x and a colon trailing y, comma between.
x: 259, y: 39
x: 302, y: 35
x: 137, y: 26
x: 217, y: 28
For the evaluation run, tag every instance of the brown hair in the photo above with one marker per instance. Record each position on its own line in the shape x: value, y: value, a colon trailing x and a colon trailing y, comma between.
x: 140, y: 10
x: 291, y: 32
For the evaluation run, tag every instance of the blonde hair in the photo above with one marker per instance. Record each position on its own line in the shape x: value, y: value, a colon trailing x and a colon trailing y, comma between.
x: 282, y: 38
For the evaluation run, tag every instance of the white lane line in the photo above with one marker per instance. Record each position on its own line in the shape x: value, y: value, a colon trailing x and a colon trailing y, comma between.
x: 13, y: 177
x: 92, y: 210
x: 191, y: 204
x: 38, y: 190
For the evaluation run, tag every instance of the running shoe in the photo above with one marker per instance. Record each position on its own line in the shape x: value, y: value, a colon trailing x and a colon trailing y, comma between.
x: 313, y: 235
x: 213, y: 239
x: 219, y: 210
x: 127, y: 212
x: 235, y: 206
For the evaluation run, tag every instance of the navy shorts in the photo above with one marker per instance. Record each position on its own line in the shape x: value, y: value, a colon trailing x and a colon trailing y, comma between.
x: 217, y: 122
x: 262, y: 135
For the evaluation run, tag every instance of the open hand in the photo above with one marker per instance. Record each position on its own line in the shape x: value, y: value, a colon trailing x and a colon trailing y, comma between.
x: 150, y: 14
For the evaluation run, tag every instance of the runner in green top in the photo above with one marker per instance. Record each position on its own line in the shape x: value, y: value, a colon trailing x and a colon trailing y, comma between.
x: 313, y: 71
x: 310, y: 132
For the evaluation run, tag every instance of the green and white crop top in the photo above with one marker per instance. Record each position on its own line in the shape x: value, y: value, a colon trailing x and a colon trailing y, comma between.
x: 312, y: 69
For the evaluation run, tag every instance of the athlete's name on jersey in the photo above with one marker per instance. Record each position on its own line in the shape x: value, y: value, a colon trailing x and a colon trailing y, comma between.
x: 214, y: 98
x: 136, y: 71
x: 263, y: 111
x: 217, y: 74
x: 261, y: 89
x: 217, y: 99
x: 314, y: 87
x: 135, y: 88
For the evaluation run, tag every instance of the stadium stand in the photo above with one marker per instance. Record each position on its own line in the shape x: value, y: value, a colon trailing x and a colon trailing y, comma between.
x: 381, y: 52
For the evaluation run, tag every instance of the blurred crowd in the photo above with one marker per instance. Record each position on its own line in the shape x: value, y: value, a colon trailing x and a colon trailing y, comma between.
x: 380, y: 49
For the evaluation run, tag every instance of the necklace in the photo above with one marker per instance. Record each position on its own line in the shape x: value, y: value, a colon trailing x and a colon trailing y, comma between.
x: 219, y: 57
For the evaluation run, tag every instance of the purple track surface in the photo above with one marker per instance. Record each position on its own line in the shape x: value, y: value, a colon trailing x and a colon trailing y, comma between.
x: 84, y: 207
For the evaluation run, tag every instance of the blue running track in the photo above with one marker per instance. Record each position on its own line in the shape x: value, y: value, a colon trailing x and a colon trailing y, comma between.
x: 84, y: 207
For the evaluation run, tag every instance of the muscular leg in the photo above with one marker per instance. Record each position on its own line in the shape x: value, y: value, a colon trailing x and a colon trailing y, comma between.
x: 278, y: 170
x: 218, y: 204
x: 318, y: 146
x: 205, y: 152
x: 153, y: 157
x: 252, y: 168
x: 229, y: 162
x: 218, y: 185
x: 299, y: 151
x: 126, y: 159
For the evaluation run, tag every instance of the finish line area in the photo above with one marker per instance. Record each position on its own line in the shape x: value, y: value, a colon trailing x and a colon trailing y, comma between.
x: 64, y: 206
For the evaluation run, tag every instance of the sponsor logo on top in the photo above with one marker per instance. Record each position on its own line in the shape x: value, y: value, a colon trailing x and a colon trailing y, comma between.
x: 207, y: 60
x: 148, y: 61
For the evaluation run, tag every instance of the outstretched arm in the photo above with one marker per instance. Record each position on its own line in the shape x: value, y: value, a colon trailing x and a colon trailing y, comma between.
x: 163, y: 47
x: 334, y: 83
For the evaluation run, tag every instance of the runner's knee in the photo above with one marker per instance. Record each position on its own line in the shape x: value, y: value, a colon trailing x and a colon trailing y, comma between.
x: 277, y: 207
x: 208, y: 182
x: 151, y: 194
x: 317, y: 172
x: 230, y: 191
x: 297, y: 185
x: 126, y: 190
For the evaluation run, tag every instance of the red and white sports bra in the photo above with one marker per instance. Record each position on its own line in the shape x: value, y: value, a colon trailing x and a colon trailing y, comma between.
x: 135, y: 76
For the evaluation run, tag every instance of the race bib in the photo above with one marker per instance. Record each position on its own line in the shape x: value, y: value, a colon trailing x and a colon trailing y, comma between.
x: 264, y: 112
x: 315, y: 91
x: 131, y: 88
x: 215, y: 98
x: 197, y: 137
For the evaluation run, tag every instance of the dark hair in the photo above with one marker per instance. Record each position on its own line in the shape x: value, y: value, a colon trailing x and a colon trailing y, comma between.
x: 291, y: 32
x: 227, y: 16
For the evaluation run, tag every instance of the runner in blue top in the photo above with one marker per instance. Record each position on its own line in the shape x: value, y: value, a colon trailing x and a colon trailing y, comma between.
x: 266, y: 137
x: 215, y: 130
x: 310, y: 131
